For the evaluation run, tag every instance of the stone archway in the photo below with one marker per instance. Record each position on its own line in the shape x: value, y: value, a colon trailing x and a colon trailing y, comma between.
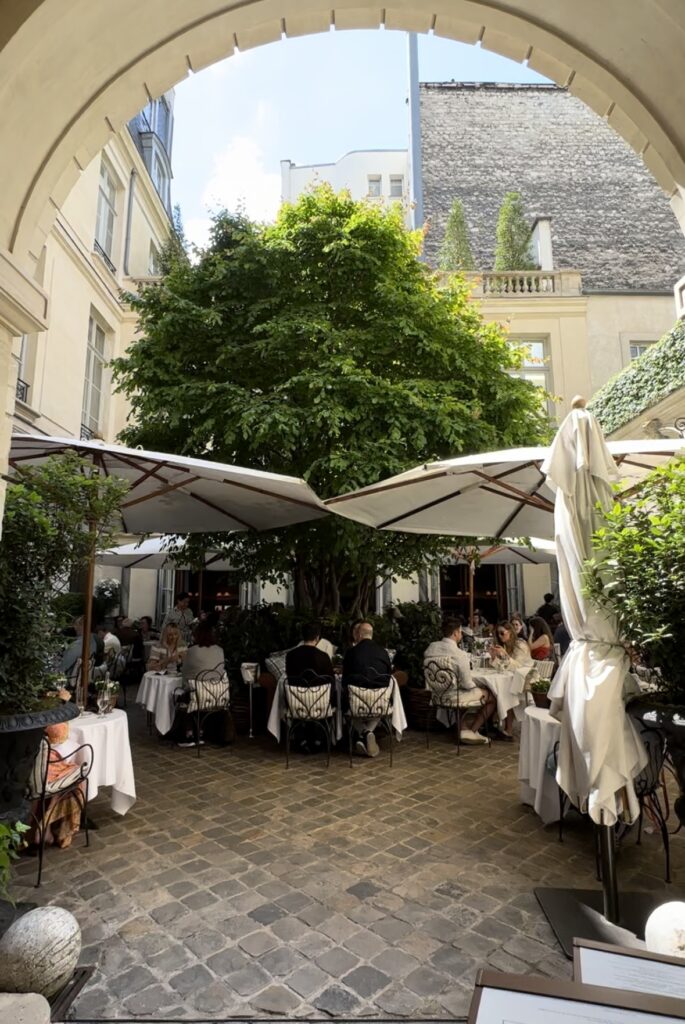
x: 72, y: 71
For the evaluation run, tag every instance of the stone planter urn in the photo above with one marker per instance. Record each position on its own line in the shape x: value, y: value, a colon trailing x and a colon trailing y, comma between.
x: 38, y: 953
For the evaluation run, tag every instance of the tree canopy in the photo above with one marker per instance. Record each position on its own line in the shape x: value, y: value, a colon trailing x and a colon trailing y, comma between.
x: 512, y: 249
x: 322, y: 347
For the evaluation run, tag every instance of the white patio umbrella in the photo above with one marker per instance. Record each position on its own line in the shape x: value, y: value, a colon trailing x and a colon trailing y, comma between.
x: 175, y: 494
x: 600, y: 750
x: 501, y: 554
x: 494, y: 494
x: 156, y: 553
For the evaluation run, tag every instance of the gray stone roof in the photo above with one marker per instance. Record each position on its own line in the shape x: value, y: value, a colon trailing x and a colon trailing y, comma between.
x: 610, y: 219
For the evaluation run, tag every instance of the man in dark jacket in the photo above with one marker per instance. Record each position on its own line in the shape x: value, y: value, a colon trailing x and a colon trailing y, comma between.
x: 367, y: 664
x: 306, y: 660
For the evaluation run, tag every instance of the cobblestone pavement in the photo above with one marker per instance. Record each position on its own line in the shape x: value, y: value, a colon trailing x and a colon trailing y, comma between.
x: 237, y: 887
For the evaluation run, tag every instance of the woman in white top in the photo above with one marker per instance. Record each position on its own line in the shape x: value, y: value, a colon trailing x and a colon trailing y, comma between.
x: 169, y: 652
x: 207, y: 658
x: 510, y: 652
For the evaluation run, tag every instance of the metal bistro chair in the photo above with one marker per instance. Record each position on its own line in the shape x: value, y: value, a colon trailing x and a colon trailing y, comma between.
x: 443, y: 685
x: 647, y: 785
x: 208, y: 693
x: 308, y: 702
x: 545, y: 669
x: 43, y: 792
x: 369, y: 699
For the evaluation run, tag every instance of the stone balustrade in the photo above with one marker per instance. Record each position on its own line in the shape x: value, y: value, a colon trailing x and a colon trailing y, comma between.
x: 513, y: 284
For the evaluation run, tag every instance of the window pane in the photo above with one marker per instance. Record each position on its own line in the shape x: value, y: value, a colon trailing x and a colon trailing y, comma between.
x: 396, y: 186
x: 639, y: 348
x: 374, y: 185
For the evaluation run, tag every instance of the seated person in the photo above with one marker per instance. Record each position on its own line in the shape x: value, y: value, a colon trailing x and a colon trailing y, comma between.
x: 206, y: 659
x: 562, y: 637
x: 458, y: 661
x: 520, y: 628
x: 510, y: 652
x: 145, y: 627
x: 540, y: 641
x: 168, y: 654
x: 307, y: 658
x: 368, y: 664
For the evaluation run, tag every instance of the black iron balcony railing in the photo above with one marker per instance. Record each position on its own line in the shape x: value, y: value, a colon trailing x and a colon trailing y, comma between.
x: 22, y: 390
x: 103, y: 256
x: 86, y: 433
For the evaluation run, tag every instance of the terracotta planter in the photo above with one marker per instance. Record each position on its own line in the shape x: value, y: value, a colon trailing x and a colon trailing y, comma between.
x: 20, y: 737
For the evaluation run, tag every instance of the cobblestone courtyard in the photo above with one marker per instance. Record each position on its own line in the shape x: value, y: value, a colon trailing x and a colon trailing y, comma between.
x: 237, y: 887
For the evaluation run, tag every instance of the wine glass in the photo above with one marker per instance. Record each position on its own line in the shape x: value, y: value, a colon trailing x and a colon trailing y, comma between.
x: 102, y: 701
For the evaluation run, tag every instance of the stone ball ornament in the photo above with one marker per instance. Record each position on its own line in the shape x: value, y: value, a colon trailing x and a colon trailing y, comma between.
x: 39, y: 951
x: 665, y: 930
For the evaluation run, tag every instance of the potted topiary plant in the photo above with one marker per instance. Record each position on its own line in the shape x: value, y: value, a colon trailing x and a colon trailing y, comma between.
x: 639, y: 575
x: 44, y: 537
x: 539, y: 689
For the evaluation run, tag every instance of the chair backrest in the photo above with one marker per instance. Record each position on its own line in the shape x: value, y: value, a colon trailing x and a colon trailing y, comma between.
x: 439, y: 676
x: 370, y: 701
x: 117, y: 662
x: 312, y: 701
x: 545, y: 669
x: 39, y: 770
x: 649, y: 778
x: 209, y: 690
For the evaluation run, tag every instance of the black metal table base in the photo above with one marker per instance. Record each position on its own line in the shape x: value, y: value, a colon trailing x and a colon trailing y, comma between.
x: 579, y: 914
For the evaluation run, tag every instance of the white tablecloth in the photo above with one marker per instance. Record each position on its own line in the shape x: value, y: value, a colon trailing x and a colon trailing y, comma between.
x: 508, y: 686
x: 399, y: 720
x: 112, y: 764
x: 156, y: 694
x: 539, y: 733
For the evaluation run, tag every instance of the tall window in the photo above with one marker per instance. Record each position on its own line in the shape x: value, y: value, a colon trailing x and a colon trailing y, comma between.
x: 374, y: 185
x: 396, y: 186
x: 535, y: 365
x: 163, y: 121
x: 638, y: 348
x: 93, y: 387
x: 153, y: 267
x: 160, y: 179
x: 107, y: 211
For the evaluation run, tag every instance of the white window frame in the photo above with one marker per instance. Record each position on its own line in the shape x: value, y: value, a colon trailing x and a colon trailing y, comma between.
x: 394, y: 180
x: 534, y: 366
x: 106, y: 216
x: 95, y: 379
x: 635, y: 343
x: 374, y: 181
x: 153, y: 267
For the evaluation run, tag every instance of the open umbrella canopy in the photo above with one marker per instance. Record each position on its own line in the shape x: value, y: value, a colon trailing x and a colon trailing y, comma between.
x: 508, y: 554
x: 175, y: 494
x: 157, y: 553
x: 494, y: 494
x: 600, y: 752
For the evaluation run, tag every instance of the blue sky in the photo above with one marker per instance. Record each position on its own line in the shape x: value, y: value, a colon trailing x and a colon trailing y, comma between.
x: 310, y: 100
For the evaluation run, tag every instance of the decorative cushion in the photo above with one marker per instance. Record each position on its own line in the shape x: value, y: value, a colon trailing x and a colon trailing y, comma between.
x: 208, y: 693
x: 367, y: 702
x: 67, y: 780
x: 309, y: 701
x: 275, y: 664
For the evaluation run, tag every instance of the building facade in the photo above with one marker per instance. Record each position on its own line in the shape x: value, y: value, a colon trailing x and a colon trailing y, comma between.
x: 380, y: 175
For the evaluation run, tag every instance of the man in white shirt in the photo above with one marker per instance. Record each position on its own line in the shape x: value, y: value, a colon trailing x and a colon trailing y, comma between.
x: 448, y: 652
x: 181, y: 616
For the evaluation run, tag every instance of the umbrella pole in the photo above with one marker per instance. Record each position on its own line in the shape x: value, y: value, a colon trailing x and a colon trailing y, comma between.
x: 82, y: 684
x: 200, y: 581
x: 472, y: 584
x: 607, y: 859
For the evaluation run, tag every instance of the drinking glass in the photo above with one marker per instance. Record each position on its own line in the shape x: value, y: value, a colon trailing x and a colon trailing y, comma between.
x: 102, y: 701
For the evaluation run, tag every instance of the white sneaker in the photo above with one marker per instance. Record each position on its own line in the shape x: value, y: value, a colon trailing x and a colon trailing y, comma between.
x: 371, y: 745
x: 474, y: 738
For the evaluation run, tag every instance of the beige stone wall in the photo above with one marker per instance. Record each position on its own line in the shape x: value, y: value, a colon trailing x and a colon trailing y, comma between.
x: 78, y: 283
x: 614, y: 321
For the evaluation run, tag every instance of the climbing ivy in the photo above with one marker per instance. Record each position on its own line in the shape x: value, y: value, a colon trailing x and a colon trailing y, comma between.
x: 656, y: 374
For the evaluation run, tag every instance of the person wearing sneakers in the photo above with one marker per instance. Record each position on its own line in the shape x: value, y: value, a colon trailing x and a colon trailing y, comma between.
x: 458, y: 661
x: 369, y: 664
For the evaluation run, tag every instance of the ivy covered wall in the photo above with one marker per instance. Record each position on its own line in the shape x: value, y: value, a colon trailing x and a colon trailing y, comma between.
x: 646, y: 381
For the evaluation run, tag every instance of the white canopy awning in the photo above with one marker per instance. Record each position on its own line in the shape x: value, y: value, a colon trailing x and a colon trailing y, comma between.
x: 155, y: 553
x: 493, y: 494
x: 175, y: 494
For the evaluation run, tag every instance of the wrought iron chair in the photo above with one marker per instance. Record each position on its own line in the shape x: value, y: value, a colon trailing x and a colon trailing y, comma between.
x: 544, y: 669
x: 443, y: 685
x: 648, y: 784
x: 48, y: 794
x: 207, y: 694
x: 370, y: 699
x: 308, y: 702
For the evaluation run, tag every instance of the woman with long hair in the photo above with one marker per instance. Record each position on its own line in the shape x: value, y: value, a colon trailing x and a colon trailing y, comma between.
x: 510, y: 652
x: 169, y: 652
x: 540, y: 640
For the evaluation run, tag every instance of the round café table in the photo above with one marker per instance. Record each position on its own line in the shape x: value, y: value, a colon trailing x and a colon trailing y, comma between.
x: 112, y: 762
x: 539, y: 734
x: 156, y: 694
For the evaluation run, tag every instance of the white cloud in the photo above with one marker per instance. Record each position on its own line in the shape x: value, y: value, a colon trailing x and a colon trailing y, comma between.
x: 240, y: 178
x: 196, y: 230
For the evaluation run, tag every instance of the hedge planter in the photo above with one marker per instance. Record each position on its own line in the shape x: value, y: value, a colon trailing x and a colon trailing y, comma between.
x: 20, y: 737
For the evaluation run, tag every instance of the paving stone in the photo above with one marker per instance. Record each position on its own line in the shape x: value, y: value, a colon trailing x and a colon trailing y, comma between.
x: 337, y: 961
x: 200, y: 900
x: 363, y: 890
x: 228, y: 961
x: 130, y: 981
x: 452, y: 961
x: 365, y: 944
x: 392, y: 929
x: 308, y: 979
x: 206, y: 942
x: 267, y: 913
x: 399, y: 1001
x: 258, y: 943
x: 336, y: 1001
x: 275, y: 999
x: 149, y: 1001
x: 215, y: 998
x: 527, y: 950
x: 169, y: 961
x: 425, y: 981
x: 249, y: 979
x: 366, y: 981
x: 281, y: 961
x: 191, y: 979
x: 289, y: 928
x: 395, y: 962
x: 168, y: 912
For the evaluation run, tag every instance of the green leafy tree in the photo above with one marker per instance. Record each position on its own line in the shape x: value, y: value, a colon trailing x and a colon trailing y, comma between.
x: 513, y: 236
x: 44, y: 538
x: 320, y: 346
x: 640, y: 572
x: 455, y: 252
